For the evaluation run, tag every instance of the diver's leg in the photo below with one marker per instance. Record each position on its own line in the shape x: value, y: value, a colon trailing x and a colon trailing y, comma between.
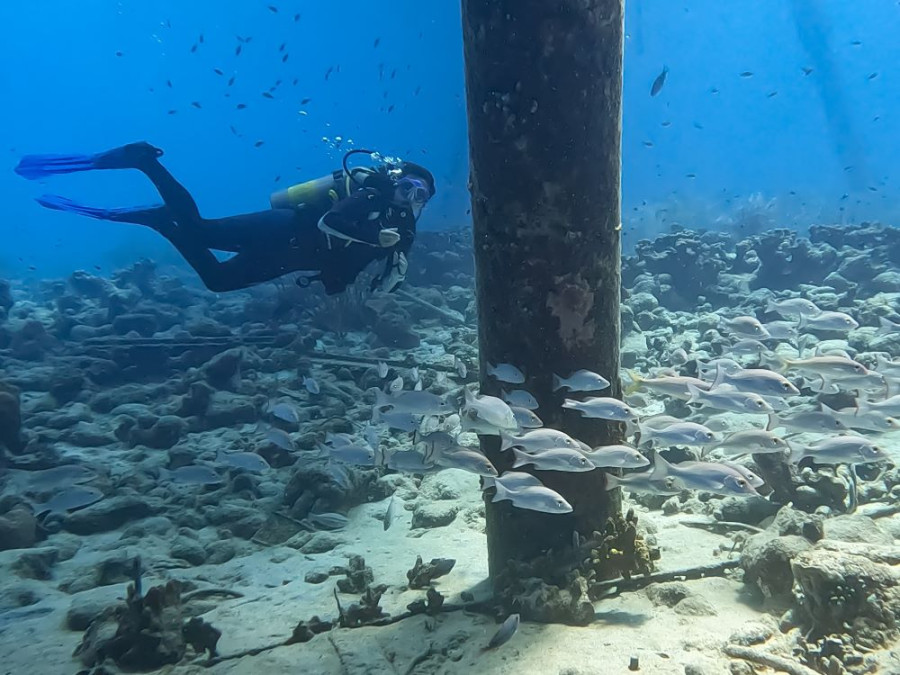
x: 273, y: 230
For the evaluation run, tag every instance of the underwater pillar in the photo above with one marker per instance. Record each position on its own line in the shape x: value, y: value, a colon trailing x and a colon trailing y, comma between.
x: 544, y: 98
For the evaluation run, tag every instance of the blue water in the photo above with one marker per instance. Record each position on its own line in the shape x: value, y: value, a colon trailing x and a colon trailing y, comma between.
x: 66, y: 89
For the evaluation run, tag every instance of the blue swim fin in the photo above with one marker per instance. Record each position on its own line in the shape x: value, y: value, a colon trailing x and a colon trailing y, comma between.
x: 33, y: 167
x: 62, y: 204
x: 129, y: 156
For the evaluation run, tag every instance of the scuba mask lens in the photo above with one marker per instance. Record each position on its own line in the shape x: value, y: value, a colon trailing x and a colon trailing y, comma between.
x: 413, y: 190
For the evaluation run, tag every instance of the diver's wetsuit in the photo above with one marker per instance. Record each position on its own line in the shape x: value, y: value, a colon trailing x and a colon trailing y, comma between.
x: 266, y: 244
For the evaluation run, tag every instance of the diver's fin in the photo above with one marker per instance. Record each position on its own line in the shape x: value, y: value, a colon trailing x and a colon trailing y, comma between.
x: 33, y: 167
x: 123, y: 214
x: 129, y: 156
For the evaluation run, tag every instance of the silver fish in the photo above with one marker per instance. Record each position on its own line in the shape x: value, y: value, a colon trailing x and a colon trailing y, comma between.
x: 825, y: 367
x: 401, y: 421
x: 285, y: 412
x: 249, y: 461
x: 889, y: 406
x: 337, y: 439
x: 71, y: 498
x: 781, y: 330
x: 833, y: 321
x: 519, y: 398
x: 490, y: 409
x: 748, y: 347
x: 755, y: 381
x: 754, y: 480
x: 602, y: 408
x: 438, y: 442
x: 414, y: 374
x: 811, y: 420
x: 418, y: 386
x: 357, y: 454
x: 526, y: 419
x: 467, y: 460
x: 507, y: 629
x: 580, y: 380
x: 752, y: 441
x: 675, y: 386
x: 382, y: 369
x: 396, y: 385
x: 280, y: 438
x: 415, y: 402
x: 792, y: 307
x: 864, y: 421
x: 533, y: 498
x: 193, y: 474
x: 538, y: 439
x: 733, y: 401
x: 709, y: 369
x: 618, y: 456
x: 506, y: 372
x: 389, y: 514
x: 556, y: 459
x: 311, y: 385
x: 679, y: 357
x: 514, y: 480
x: 841, y: 450
x: 409, y: 461
x: 679, y: 433
x: 708, y: 476
x: 653, y: 482
x: 744, y: 327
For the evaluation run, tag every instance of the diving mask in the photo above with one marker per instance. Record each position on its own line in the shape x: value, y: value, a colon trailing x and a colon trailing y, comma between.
x: 413, y: 190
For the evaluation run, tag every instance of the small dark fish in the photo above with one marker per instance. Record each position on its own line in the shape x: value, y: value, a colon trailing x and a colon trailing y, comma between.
x: 282, y: 46
x: 169, y: 83
x: 390, y: 108
x: 328, y: 72
x: 118, y: 53
x: 504, y: 633
x: 872, y: 76
x: 267, y: 95
x: 285, y: 58
x: 273, y: 9
x: 196, y: 104
x: 417, y: 90
x: 231, y: 80
x: 806, y: 70
x: 667, y: 123
x: 856, y: 43
x: 217, y: 71
x: 658, y: 83
x: 241, y: 106
x: 649, y: 144
x: 305, y: 101
x: 377, y: 42
x: 173, y: 111
x: 697, y: 125
x: 200, y: 40
x: 690, y: 175
x: 258, y: 144
x: 747, y: 73
x: 772, y: 94
x: 296, y: 17
x: 277, y: 178
x: 193, y: 48
x: 237, y: 50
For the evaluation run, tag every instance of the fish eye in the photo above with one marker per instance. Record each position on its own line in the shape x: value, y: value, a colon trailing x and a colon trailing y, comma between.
x: 741, y: 482
x: 759, y: 404
x: 559, y: 504
x: 786, y: 386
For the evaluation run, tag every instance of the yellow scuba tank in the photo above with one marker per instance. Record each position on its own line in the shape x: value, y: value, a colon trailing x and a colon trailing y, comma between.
x: 322, y: 192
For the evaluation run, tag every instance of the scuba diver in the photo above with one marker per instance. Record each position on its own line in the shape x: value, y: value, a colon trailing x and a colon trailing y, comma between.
x: 334, y: 225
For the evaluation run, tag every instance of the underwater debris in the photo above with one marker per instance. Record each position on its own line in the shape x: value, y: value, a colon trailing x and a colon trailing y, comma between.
x: 358, y: 576
x: 421, y: 575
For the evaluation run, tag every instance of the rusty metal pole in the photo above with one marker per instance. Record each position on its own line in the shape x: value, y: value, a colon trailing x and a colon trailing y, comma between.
x: 544, y: 96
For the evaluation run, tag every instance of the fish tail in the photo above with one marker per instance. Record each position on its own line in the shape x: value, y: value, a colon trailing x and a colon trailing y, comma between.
x: 501, y: 494
x: 571, y: 404
x: 612, y: 481
x: 558, y: 382
x: 636, y: 382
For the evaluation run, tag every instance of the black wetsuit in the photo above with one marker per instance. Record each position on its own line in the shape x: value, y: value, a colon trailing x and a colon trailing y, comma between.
x: 272, y: 243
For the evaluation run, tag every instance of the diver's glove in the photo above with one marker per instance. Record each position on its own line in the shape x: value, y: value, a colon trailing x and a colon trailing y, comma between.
x: 394, y: 274
x: 388, y: 237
